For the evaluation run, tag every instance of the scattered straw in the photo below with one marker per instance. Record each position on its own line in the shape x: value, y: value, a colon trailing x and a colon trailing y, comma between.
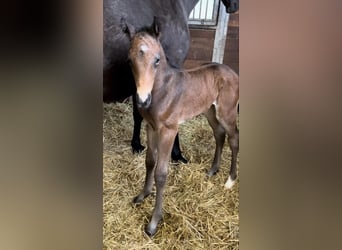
x: 198, y: 212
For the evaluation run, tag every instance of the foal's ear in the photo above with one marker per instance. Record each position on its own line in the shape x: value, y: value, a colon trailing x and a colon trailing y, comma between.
x: 156, y: 27
x: 127, y: 28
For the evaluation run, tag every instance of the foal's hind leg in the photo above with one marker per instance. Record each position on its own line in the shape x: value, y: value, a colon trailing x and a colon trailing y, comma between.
x: 226, y: 114
x: 233, y: 140
x: 229, y: 123
x: 220, y: 135
x: 150, y: 162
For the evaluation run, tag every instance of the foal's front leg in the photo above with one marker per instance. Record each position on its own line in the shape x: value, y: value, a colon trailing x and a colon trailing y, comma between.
x: 166, y: 138
x: 150, y: 162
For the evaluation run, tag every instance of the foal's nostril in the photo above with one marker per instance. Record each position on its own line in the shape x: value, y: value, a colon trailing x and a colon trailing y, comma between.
x: 144, y: 104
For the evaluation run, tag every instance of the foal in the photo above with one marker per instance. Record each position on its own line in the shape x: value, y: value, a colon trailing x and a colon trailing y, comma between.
x: 167, y: 97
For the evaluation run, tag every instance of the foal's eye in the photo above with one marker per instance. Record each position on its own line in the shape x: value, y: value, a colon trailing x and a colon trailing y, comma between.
x: 156, y: 62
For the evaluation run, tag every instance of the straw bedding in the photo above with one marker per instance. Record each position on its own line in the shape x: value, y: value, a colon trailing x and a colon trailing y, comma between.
x: 199, y: 213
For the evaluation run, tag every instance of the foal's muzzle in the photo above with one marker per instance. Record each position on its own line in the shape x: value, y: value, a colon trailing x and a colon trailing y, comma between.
x: 144, y: 104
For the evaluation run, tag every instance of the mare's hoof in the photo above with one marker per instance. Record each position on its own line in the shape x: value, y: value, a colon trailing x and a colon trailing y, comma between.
x: 137, y: 148
x: 211, y: 172
x: 150, y: 231
x: 179, y: 158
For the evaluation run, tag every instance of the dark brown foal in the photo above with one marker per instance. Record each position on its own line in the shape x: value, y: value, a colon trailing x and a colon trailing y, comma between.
x: 167, y: 97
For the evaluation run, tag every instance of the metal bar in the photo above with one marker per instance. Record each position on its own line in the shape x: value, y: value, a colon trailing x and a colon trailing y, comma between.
x: 209, y: 8
x: 220, y: 35
x: 206, y: 10
x: 200, y: 9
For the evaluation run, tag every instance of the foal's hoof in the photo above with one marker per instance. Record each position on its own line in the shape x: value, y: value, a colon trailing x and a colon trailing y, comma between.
x: 230, y: 183
x: 137, y: 147
x: 179, y: 158
x: 150, y: 231
x: 138, y: 200
x: 212, y: 172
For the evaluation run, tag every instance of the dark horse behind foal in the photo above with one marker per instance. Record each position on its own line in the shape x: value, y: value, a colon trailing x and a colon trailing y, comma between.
x: 118, y: 81
x: 167, y: 96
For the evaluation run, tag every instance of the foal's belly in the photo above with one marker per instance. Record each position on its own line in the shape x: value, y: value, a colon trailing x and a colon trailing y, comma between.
x: 191, y: 111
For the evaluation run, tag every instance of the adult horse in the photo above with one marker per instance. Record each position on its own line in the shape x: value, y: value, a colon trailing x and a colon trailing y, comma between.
x: 118, y: 81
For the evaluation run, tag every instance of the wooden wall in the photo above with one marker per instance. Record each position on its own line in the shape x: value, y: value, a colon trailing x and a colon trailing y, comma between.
x: 202, y: 43
x: 201, y: 47
x: 231, y: 52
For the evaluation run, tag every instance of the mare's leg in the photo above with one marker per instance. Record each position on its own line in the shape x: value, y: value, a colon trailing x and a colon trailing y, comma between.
x: 150, y: 162
x: 135, y: 143
x: 166, y: 138
x: 176, y: 153
x: 220, y: 135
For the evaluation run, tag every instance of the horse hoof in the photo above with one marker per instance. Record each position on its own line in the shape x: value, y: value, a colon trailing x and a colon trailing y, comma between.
x: 150, y: 231
x: 230, y: 183
x: 211, y: 172
x: 138, y: 200
x: 137, y: 148
x: 179, y: 158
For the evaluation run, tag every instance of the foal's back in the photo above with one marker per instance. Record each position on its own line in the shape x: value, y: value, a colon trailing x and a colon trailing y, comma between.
x: 218, y: 72
x: 204, y: 86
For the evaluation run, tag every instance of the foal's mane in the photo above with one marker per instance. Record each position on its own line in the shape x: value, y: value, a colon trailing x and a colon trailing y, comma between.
x: 147, y: 30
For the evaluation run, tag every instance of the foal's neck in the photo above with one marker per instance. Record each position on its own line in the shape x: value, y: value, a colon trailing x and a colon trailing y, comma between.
x: 164, y: 75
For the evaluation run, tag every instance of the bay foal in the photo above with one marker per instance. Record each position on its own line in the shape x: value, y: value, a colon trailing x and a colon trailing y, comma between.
x: 167, y: 97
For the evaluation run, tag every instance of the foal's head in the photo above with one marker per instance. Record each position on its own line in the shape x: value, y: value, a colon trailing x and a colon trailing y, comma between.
x: 145, y: 55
